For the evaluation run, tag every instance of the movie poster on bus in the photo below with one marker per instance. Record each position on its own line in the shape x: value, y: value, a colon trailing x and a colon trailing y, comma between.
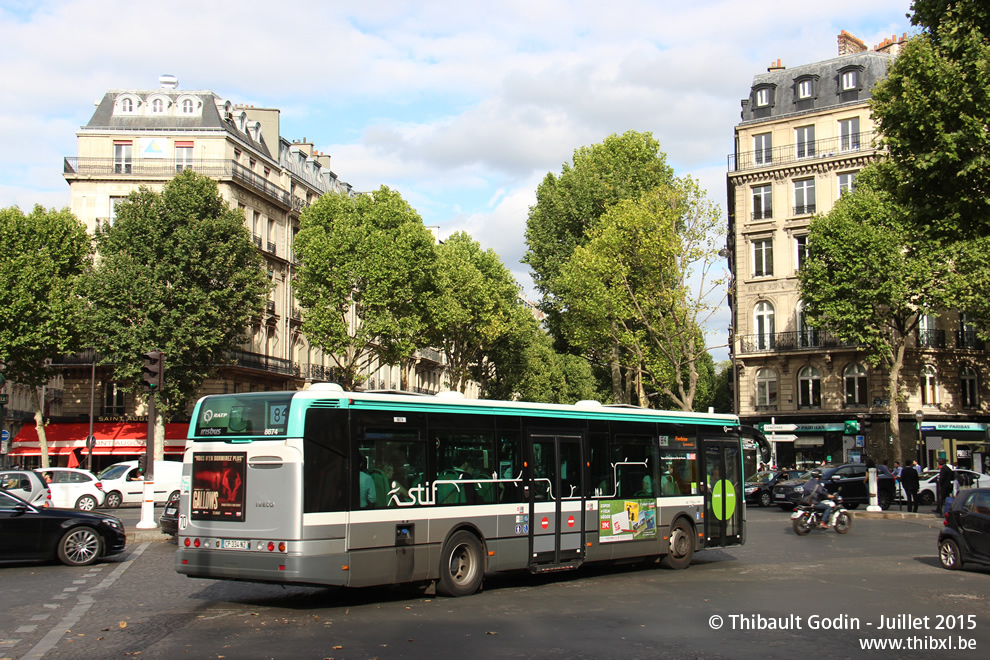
x: 218, y: 486
x: 627, y: 520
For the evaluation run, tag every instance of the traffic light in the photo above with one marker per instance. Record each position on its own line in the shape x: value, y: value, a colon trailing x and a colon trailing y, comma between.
x: 143, y: 463
x: 153, y: 371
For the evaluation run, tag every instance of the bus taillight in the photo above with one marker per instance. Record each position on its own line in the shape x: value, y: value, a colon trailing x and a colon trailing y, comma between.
x: 188, y: 542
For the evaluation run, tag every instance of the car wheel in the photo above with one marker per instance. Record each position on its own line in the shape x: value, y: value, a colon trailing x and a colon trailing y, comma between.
x: 681, y: 550
x: 80, y: 547
x: 883, y: 500
x: 86, y: 503
x: 843, y: 522
x: 461, y: 567
x: 948, y: 554
x: 926, y: 497
x: 765, y: 499
x: 173, y: 495
x: 113, y: 500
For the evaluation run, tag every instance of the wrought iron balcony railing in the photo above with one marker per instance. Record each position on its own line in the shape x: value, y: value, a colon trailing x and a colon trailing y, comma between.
x: 856, y: 143
x: 777, y: 342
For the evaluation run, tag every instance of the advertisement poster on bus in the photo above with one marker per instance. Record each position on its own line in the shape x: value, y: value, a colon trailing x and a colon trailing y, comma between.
x: 627, y: 520
x: 218, y: 486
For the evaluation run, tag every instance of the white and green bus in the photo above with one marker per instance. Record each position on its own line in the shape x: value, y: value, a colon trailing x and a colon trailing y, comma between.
x: 328, y: 487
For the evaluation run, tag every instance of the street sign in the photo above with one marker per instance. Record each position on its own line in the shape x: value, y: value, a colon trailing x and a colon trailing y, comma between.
x: 782, y: 437
x: 770, y: 428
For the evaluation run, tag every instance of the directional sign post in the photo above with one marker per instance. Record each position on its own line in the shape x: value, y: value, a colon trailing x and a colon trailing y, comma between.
x: 773, y: 428
x: 782, y: 437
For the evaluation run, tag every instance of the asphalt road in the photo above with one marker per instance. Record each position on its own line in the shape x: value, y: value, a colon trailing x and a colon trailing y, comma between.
x: 721, y: 607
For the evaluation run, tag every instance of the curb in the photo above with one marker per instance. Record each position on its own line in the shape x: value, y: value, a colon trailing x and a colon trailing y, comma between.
x: 896, y: 515
x: 148, y: 536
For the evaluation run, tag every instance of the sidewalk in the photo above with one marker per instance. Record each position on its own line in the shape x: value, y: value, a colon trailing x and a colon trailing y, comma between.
x: 135, y: 535
x: 925, y: 517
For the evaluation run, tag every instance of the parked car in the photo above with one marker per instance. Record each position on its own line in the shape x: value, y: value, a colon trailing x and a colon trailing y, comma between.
x: 847, y: 480
x: 169, y: 520
x: 759, y: 486
x: 27, y: 485
x: 928, y: 490
x: 74, y: 488
x: 35, y: 533
x: 965, y: 535
x: 123, y: 484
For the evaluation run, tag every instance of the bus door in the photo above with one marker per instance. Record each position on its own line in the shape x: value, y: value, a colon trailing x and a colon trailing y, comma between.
x: 554, y: 489
x: 724, y: 494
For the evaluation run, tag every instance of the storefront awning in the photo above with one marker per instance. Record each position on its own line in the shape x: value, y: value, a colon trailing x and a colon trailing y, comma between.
x: 112, y: 438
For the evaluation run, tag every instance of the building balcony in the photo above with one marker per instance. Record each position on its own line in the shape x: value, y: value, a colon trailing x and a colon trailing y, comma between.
x: 967, y: 340
x: 261, y: 362
x: 848, y: 145
x: 782, y: 342
x: 931, y: 339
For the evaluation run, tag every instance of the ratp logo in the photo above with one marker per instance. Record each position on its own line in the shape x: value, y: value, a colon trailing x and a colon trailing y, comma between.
x: 209, y: 415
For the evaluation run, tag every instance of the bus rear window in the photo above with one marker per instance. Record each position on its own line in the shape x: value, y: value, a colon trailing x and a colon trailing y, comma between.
x: 239, y: 415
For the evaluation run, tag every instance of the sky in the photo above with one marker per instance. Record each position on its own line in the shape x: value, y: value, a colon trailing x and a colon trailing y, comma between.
x: 463, y: 107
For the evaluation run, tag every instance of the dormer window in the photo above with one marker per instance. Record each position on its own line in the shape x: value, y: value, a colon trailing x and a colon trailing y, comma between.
x: 805, y: 89
x: 157, y: 107
x: 762, y: 97
x: 849, y: 80
x: 187, y: 106
x: 127, y: 105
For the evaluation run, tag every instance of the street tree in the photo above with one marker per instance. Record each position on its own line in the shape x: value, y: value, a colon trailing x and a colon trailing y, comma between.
x: 868, y: 279
x: 643, y: 283
x: 570, y: 204
x: 476, y: 296
x: 44, y: 254
x: 365, y: 281
x: 176, y: 272
x: 933, y: 109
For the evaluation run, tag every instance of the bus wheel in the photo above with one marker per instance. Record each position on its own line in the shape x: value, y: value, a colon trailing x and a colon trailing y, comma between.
x: 461, y: 565
x: 681, y: 550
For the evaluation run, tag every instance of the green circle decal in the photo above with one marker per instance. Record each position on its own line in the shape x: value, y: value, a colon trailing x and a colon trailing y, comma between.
x: 724, y: 489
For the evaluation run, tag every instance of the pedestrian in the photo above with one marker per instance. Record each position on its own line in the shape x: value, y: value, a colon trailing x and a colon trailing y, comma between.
x: 917, y: 467
x: 911, y: 481
x: 946, y: 475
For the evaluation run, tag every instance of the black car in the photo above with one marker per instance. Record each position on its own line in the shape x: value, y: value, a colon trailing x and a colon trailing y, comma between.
x: 759, y: 486
x: 169, y: 520
x: 76, y: 538
x: 965, y: 536
x: 848, y: 480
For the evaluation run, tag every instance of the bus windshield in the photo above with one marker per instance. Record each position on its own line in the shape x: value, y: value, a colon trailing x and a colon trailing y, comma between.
x: 242, y: 415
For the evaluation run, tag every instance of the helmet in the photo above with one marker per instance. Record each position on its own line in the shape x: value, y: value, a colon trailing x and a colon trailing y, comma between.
x: 815, y: 474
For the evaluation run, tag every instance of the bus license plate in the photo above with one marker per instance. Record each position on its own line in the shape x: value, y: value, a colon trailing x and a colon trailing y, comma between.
x: 235, y: 544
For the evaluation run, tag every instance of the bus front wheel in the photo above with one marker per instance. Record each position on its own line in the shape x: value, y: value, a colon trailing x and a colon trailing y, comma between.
x: 461, y: 565
x: 681, y: 550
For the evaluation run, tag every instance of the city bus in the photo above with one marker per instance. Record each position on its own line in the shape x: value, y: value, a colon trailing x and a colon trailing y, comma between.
x: 329, y: 487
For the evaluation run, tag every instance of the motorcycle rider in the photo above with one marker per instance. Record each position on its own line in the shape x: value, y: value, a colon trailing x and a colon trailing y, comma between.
x: 813, y: 493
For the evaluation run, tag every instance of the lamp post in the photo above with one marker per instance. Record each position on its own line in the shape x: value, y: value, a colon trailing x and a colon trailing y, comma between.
x: 920, y: 416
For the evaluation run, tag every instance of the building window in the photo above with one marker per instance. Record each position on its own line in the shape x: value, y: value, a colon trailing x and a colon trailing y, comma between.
x: 187, y: 106
x: 849, y: 134
x: 762, y: 202
x: 127, y: 105
x: 854, y: 380
x: 849, y: 80
x: 763, y: 149
x: 183, y: 155
x: 764, y: 324
x: 157, y: 106
x: 122, y: 157
x: 809, y: 388
x: 847, y: 183
x: 762, y: 97
x: 804, y: 196
x: 801, y: 250
x: 114, y: 201
x: 967, y: 338
x: 804, y: 89
x: 113, y: 399
x: 804, y: 138
x: 763, y: 257
x: 929, y: 386
x: 929, y: 336
x: 807, y: 336
x: 766, y: 389
x: 970, y: 389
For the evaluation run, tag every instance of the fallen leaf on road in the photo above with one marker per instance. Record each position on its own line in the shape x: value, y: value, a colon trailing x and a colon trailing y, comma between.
x: 123, y: 624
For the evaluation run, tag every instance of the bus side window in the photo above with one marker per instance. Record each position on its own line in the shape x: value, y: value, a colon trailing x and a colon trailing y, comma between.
x: 509, y: 490
x: 325, y: 461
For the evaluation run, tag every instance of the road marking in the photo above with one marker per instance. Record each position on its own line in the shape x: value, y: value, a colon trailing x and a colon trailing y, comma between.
x: 26, y: 629
x: 40, y: 617
x: 86, y: 601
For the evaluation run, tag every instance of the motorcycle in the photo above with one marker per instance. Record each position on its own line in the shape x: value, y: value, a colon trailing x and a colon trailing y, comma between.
x: 805, y: 518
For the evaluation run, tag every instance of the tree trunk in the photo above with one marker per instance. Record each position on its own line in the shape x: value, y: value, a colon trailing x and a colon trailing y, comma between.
x: 894, y: 388
x: 39, y: 421
x: 616, y: 369
x: 159, y: 437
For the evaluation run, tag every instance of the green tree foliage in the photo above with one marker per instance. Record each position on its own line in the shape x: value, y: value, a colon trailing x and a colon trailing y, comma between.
x: 473, y: 307
x: 568, y: 205
x: 366, y: 280
x: 42, y: 259
x: 176, y: 272
x: 933, y: 110
x: 630, y: 286
x: 868, y: 279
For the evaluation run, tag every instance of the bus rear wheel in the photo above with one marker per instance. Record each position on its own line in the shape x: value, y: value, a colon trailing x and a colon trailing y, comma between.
x: 681, y: 550
x: 461, y: 565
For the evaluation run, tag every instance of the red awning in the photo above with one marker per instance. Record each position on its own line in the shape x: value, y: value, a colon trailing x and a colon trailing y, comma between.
x: 116, y: 438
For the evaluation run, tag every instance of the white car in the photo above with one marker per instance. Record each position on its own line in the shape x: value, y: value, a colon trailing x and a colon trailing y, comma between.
x: 928, y: 490
x: 73, y: 488
x: 122, y: 484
